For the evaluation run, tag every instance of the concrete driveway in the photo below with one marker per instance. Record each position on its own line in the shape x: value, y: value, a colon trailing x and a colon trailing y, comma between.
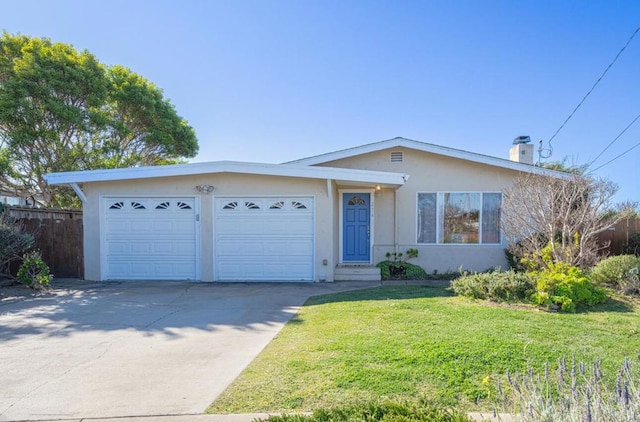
x: 100, y: 350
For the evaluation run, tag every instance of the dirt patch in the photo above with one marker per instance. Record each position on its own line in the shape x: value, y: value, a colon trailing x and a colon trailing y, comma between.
x: 11, y: 291
x: 509, y: 305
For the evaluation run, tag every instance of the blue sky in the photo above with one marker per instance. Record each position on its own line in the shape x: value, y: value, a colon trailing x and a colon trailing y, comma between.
x: 273, y: 81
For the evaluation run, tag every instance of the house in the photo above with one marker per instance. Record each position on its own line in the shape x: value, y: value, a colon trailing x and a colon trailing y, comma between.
x: 12, y: 198
x: 323, y: 218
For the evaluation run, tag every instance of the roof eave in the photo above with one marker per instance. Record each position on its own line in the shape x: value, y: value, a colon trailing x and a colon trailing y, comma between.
x: 364, y: 176
x: 425, y: 147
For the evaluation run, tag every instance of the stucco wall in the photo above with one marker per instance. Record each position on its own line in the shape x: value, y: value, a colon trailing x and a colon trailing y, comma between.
x: 429, y: 173
x: 225, y: 184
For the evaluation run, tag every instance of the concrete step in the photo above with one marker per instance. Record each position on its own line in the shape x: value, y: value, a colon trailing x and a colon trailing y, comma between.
x: 357, y: 273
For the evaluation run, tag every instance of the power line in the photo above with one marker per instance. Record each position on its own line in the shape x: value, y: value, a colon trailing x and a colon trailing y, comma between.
x: 614, y: 140
x: 615, y: 158
x: 594, y: 85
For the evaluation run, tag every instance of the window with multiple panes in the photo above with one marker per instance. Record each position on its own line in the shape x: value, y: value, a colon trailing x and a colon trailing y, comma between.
x: 459, y: 217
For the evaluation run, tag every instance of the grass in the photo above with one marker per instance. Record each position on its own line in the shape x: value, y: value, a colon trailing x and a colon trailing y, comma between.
x: 413, y: 342
x: 374, y: 412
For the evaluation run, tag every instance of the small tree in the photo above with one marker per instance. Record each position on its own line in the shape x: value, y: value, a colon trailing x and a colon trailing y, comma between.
x: 565, y: 213
x: 34, y: 272
x: 14, y: 241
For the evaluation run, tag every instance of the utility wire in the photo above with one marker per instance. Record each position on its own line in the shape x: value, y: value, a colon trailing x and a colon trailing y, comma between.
x: 615, y: 158
x: 614, y: 140
x: 594, y: 85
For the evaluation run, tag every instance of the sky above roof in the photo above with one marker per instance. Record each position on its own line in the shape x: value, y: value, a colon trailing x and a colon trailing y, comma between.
x: 278, y: 80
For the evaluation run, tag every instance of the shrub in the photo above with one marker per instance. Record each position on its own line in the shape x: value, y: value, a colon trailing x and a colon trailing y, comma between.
x: 385, y: 272
x: 445, y: 275
x: 620, y: 272
x: 540, y: 259
x: 414, y: 272
x: 576, y: 393
x: 498, y: 286
x: 566, y: 287
x: 513, y: 259
x: 14, y: 241
x: 632, y: 247
x: 410, y: 271
x: 397, y: 268
x: 385, y: 411
x: 34, y: 272
x: 517, y: 253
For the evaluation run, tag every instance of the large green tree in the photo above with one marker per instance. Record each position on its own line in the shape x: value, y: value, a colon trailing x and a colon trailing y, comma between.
x: 62, y: 110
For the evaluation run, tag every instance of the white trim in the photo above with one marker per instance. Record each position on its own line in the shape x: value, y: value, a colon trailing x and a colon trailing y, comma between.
x: 341, y: 193
x: 439, y: 219
x: 396, y: 224
x: 212, y: 238
x: 329, y: 271
x: 103, y: 238
x: 425, y: 147
x: 339, y: 174
x: 79, y: 192
x: 314, y: 273
x: 198, y: 228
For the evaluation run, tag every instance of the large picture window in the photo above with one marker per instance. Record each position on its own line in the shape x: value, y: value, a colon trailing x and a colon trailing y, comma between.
x: 459, y: 217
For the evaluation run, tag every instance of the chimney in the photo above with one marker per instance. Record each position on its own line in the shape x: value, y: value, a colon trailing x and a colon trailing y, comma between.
x: 522, y: 150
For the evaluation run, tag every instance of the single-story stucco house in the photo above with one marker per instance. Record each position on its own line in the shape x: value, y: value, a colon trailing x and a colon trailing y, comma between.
x: 323, y: 218
x: 12, y: 198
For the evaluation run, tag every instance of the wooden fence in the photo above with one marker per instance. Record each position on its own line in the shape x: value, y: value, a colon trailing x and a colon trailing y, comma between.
x: 58, y: 236
x: 618, y: 235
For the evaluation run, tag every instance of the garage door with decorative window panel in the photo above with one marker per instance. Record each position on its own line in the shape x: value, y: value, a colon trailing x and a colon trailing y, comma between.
x: 150, y: 238
x: 264, y: 238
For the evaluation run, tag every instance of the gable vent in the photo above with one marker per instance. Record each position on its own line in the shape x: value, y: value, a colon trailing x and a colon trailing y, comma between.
x: 397, y: 157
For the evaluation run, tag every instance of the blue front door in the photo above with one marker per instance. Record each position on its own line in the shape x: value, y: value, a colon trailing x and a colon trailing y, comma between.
x: 356, y: 227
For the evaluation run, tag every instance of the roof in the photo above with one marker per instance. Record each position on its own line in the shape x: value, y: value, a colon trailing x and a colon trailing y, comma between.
x: 338, y: 174
x: 425, y: 147
x: 306, y: 167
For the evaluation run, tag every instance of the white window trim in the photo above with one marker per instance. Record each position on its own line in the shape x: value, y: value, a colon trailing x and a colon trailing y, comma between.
x: 371, y: 193
x: 439, y: 195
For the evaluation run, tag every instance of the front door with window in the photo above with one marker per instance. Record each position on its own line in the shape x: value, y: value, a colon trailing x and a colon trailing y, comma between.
x: 356, y: 227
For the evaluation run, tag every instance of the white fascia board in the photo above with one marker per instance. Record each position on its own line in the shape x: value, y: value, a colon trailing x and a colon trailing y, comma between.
x: 349, y: 152
x: 430, y: 148
x: 365, y: 176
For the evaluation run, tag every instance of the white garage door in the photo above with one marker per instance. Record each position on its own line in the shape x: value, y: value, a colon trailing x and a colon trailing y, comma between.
x: 150, y: 238
x: 264, y: 239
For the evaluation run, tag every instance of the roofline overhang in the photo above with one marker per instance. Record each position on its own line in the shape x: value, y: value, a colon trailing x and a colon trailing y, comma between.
x: 264, y: 169
x: 426, y: 147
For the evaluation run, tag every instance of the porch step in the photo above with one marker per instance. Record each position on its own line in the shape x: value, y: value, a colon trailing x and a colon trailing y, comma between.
x: 357, y: 273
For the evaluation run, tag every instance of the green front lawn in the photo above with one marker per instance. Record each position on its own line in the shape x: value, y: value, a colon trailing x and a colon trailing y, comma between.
x: 414, y: 342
